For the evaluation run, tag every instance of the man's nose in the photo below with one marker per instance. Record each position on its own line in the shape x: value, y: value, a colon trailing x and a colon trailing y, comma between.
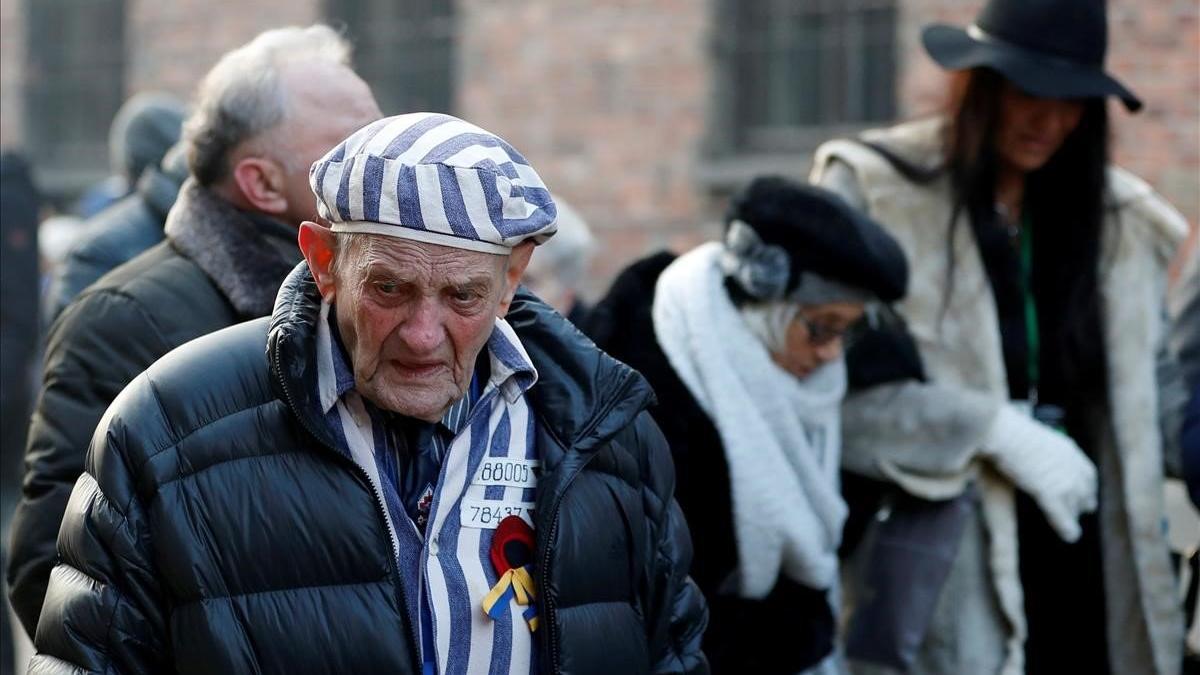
x: 422, y: 330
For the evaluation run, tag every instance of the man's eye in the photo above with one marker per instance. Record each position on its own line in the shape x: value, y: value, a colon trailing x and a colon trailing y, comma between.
x: 387, y: 287
x: 463, y: 296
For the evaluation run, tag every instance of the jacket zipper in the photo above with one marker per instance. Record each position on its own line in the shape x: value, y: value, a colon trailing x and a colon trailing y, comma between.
x: 395, y: 544
x: 547, y: 604
x: 551, y: 630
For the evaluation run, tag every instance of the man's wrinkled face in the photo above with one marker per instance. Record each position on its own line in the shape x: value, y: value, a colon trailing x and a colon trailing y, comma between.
x: 414, y: 317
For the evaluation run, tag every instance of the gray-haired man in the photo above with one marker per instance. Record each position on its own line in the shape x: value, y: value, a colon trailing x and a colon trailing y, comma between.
x: 402, y: 481
x: 260, y: 118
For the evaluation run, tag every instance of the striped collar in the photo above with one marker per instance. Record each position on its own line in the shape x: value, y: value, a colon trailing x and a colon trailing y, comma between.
x: 511, y: 371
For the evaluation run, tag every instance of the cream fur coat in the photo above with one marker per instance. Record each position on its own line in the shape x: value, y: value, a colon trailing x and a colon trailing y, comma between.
x: 925, y: 437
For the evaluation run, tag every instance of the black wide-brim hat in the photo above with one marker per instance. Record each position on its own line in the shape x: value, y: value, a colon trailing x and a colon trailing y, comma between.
x: 1047, y: 48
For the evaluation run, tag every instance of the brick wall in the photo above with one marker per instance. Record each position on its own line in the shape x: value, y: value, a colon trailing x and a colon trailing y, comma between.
x: 921, y: 81
x: 1156, y: 52
x: 172, y: 44
x: 607, y: 99
x: 610, y: 98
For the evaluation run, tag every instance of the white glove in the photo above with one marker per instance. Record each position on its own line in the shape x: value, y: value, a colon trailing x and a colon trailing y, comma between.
x: 1046, y: 464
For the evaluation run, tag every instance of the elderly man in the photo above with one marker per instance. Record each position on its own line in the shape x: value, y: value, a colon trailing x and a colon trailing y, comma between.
x: 260, y: 119
x: 402, y: 481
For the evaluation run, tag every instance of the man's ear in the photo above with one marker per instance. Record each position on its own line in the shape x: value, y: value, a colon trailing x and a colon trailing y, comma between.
x: 317, y: 243
x: 261, y: 182
x: 518, y: 260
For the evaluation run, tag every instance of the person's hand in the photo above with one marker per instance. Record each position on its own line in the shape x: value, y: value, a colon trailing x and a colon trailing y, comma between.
x: 1047, y: 465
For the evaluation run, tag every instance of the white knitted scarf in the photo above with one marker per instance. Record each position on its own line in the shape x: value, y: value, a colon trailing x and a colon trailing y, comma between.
x: 781, y: 434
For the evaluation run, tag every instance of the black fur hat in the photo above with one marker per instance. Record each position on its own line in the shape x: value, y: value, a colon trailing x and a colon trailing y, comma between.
x: 797, y: 230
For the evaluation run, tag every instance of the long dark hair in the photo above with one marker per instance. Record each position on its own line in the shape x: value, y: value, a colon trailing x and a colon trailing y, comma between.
x: 1066, y: 200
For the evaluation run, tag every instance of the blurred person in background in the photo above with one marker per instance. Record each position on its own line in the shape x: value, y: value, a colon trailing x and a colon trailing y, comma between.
x: 1036, y: 304
x: 19, y: 207
x: 120, y: 232
x: 557, y: 273
x: 409, y: 468
x: 1185, y: 345
x: 57, y: 235
x: 261, y: 116
x: 742, y: 341
x: 142, y: 131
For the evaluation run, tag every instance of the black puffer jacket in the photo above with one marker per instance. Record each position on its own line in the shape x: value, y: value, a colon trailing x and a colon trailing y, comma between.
x: 219, y: 266
x: 217, y: 530
x: 793, y: 627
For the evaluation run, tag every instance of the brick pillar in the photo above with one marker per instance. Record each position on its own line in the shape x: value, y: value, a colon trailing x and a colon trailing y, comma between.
x: 606, y: 99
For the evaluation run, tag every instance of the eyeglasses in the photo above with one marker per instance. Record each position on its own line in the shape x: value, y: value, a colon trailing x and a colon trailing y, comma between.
x: 822, y: 334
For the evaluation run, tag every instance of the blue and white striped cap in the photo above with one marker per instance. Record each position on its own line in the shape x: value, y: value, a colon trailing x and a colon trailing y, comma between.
x: 433, y: 178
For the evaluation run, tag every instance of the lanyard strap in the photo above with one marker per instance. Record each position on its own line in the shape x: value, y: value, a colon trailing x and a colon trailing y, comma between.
x: 1031, y: 317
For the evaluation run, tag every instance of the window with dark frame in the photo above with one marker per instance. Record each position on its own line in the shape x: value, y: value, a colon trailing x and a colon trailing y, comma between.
x: 791, y: 70
x: 74, y: 85
x: 404, y: 49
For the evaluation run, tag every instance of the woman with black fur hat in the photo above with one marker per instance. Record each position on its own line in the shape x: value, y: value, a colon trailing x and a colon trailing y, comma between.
x: 742, y: 341
x: 1035, y: 305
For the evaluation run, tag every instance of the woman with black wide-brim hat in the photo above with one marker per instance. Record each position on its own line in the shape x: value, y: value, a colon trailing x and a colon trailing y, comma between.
x: 1035, y: 303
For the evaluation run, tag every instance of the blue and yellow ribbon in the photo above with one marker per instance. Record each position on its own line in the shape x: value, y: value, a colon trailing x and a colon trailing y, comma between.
x: 515, y: 584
